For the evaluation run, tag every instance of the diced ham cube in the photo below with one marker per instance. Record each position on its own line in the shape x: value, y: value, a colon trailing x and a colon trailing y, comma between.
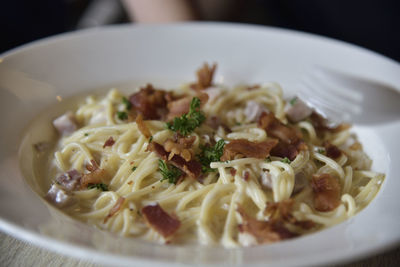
x: 298, y: 111
x: 66, y: 124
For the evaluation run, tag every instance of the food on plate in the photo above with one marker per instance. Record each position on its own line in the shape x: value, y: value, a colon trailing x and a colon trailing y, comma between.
x: 207, y: 164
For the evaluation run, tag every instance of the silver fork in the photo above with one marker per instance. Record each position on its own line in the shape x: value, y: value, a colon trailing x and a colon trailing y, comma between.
x: 342, y: 97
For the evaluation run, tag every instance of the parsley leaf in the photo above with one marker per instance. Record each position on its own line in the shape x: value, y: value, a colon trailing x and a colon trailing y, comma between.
x: 122, y: 115
x: 293, y: 101
x: 134, y: 168
x: 169, y: 172
x: 210, y: 154
x: 190, y: 121
x: 99, y: 186
x: 286, y: 160
x: 86, y: 134
x: 321, y: 150
x: 150, y: 139
x: 127, y: 103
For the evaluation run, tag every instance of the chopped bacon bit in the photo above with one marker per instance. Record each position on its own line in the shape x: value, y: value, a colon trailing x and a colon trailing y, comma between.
x: 321, y: 124
x: 149, y: 102
x: 130, y: 182
x: 264, y: 231
x: 115, y: 208
x: 290, y: 142
x: 285, y: 150
x: 192, y: 168
x: 332, y: 151
x: 214, y: 122
x: 142, y: 126
x: 109, y: 142
x: 326, y: 190
x: 205, y: 76
x: 276, y: 128
x: 248, y: 149
x: 282, y: 211
x: 180, y: 146
x: 95, y: 176
x: 160, y: 221
x: 179, y: 107
x: 233, y: 171
x: 246, y: 176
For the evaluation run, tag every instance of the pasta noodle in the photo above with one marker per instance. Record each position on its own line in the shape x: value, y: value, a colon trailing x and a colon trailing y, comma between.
x: 208, y: 207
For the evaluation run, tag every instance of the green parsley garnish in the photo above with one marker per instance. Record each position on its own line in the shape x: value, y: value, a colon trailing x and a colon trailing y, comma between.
x: 286, y: 160
x: 169, y: 172
x: 238, y: 123
x: 190, y: 121
x: 210, y: 154
x: 134, y: 168
x: 122, y: 115
x: 99, y: 186
x: 321, y: 150
x: 150, y: 139
x: 86, y: 134
x: 127, y: 103
x: 293, y: 101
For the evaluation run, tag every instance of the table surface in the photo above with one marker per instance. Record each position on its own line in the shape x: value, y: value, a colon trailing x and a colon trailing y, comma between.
x: 14, y: 252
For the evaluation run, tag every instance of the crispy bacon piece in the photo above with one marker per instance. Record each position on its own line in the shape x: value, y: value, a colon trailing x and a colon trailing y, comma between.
x: 326, y: 190
x: 180, y: 145
x: 332, y: 151
x: 142, y: 126
x: 160, y: 221
x: 232, y: 171
x: 276, y: 128
x: 321, y: 124
x: 95, y: 175
x: 264, y: 231
x: 285, y: 150
x: 181, y: 106
x: 248, y: 149
x: 205, y: 76
x: 282, y: 211
x: 214, y: 122
x: 290, y: 140
x: 109, y: 142
x: 178, y: 107
x: 149, y: 102
x: 115, y: 208
x: 192, y: 168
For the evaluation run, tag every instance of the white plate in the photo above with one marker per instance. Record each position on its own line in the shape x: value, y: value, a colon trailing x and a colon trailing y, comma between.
x: 32, y: 76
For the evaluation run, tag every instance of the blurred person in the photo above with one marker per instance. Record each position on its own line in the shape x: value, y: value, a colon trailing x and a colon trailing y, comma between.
x: 368, y: 23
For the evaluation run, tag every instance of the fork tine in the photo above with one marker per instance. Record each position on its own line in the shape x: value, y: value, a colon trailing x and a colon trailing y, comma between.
x: 335, y: 86
x: 326, y: 91
x: 333, y: 102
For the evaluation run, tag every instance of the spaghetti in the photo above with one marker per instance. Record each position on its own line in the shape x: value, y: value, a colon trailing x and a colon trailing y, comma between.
x: 124, y: 165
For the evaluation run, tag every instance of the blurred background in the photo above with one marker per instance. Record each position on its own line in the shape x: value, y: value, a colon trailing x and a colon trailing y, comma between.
x: 373, y: 24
